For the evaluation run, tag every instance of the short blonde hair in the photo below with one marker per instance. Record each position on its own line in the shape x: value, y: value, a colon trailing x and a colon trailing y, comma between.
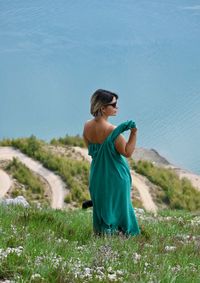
x: 100, y: 98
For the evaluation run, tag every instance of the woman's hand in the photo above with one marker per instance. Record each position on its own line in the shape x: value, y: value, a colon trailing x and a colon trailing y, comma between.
x: 133, y: 130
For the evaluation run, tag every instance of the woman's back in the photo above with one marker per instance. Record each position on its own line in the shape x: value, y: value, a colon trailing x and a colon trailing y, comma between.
x: 97, y: 131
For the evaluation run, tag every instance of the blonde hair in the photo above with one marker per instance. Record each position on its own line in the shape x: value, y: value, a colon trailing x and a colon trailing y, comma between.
x: 100, y: 98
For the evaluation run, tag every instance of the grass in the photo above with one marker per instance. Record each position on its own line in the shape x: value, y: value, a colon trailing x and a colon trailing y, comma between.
x: 46, y: 245
x: 73, y: 172
x: 33, y: 188
x: 176, y: 193
x: 69, y: 140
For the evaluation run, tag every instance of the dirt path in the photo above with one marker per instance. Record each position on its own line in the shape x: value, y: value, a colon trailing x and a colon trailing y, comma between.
x: 83, y: 152
x: 143, y: 190
x: 138, y: 182
x: 56, y: 184
x: 5, y: 183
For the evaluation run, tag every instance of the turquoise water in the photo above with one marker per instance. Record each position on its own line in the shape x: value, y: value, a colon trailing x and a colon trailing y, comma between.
x: 55, y: 54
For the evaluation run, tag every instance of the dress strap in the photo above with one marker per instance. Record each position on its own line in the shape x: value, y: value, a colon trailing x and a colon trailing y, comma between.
x: 121, y: 128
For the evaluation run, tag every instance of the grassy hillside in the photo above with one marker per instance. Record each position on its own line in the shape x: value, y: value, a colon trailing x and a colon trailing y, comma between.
x: 45, y: 245
x: 73, y: 172
x: 176, y: 193
x: 173, y: 192
x: 29, y: 185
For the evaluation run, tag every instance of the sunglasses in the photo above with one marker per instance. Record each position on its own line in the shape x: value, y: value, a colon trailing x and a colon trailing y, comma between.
x: 112, y: 104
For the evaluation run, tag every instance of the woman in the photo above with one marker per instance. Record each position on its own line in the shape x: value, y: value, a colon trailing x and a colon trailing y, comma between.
x: 110, y: 179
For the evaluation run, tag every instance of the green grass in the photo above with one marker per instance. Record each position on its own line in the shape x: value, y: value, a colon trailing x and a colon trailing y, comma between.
x: 69, y: 140
x: 59, y: 246
x: 33, y: 187
x: 176, y: 193
x: 73, y: 172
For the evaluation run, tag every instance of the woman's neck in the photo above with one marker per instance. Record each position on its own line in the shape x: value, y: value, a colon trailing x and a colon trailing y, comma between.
x: 103, y: 118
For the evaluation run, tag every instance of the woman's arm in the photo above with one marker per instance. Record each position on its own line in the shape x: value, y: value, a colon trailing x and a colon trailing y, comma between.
x: 126, y: 148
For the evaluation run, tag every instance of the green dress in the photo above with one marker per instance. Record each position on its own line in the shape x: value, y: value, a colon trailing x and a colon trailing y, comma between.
x: 110, y: 186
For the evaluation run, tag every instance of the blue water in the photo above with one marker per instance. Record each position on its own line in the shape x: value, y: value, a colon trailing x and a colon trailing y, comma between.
x: 55, y: 54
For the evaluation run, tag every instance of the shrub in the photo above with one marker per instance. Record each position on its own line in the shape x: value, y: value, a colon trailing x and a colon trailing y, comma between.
x: 177, y: 193
x: 69, y: 140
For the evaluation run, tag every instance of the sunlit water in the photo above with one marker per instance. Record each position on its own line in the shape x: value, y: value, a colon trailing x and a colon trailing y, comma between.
x: 54, y: 54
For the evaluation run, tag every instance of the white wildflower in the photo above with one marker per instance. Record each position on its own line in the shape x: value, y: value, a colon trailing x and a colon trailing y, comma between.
x: 87, y: 272
x: 176, y: 268
x: 195, y: 221
x: 120, y: 272
x: 148, y: 245
x: 136, y: 257
x: 36, y: 276
x: 80, y: 248
x: 112, y: 277
x: 5, y: 253
x: 139, y: 210
x: 170, y: 248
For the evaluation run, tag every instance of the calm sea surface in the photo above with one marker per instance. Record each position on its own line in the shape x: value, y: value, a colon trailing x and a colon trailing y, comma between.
x: 55, y: 54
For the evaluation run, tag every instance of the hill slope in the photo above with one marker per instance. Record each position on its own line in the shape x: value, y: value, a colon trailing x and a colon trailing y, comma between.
x: 145, y: 193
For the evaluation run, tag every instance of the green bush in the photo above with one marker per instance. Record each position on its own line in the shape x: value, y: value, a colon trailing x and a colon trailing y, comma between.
x: 177, y: 193
x: 68, y: 198
x: 69, y: 140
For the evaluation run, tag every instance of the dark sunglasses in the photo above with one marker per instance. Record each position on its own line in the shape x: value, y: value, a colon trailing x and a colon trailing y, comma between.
x: 112, y: 104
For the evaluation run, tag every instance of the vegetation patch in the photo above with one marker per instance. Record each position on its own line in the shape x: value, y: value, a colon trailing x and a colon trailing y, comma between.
x: 30, y: 187
x: 74, y: 173
x: 172, y: 192
x: 46, y: 245
x: 177, y: 193
x: 69, y: 140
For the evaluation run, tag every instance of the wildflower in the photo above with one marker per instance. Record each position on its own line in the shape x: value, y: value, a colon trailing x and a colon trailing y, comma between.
x: 176, y: 268
x: 120, y: 272
x: 136, y: 257
x: 148, y: 245
x: 112, y: 277
x: 139, y: 210
x: 36, y: 276
x: 170, y: 248
x: 5, y: 253
x: 80, y: 248
x: 195, y: 221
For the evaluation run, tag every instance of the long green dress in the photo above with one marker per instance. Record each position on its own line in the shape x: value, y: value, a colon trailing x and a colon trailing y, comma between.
x: 110, y: 185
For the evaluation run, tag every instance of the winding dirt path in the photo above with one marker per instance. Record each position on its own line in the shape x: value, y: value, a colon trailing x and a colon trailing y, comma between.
x: 137, y: 180
x: 5, y: 183
x: 56, y: 184
x: 143, y: 190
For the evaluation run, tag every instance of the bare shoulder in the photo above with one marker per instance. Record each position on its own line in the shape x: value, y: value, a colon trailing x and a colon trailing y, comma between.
x: 112, y: 127
x: 87, y: 124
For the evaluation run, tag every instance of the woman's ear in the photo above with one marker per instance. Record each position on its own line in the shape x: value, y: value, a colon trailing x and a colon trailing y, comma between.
x: 102, y: 109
